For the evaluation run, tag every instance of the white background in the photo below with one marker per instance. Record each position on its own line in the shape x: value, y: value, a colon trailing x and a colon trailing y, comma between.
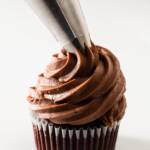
x: 25, y: 49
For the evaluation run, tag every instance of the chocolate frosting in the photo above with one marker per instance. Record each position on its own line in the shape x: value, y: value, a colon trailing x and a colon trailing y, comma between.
x: 78, y: 88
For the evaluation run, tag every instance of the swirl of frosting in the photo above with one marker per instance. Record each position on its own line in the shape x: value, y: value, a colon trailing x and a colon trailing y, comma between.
x: 80, y: 88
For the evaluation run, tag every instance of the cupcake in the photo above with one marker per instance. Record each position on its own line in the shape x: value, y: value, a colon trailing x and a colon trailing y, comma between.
x: 78, y: 101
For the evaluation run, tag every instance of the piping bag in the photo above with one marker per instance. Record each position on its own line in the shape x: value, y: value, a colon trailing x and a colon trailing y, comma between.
x: 65, y: 20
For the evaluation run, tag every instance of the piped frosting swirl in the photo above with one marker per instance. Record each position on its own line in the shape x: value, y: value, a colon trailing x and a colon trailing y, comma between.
x: 79, y: 88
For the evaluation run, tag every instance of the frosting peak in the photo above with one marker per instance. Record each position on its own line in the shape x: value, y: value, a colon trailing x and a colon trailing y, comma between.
x: 80, y: 88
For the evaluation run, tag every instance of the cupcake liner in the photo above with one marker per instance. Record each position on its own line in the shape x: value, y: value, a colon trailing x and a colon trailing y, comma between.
x: 49, y: 136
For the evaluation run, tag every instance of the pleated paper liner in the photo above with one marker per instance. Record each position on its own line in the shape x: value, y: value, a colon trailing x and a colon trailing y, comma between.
x: 49, y: 136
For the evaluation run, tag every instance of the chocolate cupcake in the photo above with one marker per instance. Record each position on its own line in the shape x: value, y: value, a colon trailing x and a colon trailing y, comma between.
x: 78, y: 101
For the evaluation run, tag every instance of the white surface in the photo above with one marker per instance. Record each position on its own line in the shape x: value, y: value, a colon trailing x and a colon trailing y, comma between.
x: 26, y: 46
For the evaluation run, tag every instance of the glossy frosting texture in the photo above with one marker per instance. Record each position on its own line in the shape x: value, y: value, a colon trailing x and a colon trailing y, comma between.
x: 78, y: 88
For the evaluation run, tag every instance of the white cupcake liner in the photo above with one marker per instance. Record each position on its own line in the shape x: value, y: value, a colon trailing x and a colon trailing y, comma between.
x: 49, y: 136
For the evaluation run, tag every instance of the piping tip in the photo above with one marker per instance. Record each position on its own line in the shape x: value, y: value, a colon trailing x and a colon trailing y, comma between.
x: 65, y: 20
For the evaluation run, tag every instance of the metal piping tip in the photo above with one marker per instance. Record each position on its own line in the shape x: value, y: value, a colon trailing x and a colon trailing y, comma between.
x: 65, y: 20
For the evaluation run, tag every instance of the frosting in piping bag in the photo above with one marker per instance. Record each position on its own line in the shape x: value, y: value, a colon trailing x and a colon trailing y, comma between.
x: 78, y: 88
